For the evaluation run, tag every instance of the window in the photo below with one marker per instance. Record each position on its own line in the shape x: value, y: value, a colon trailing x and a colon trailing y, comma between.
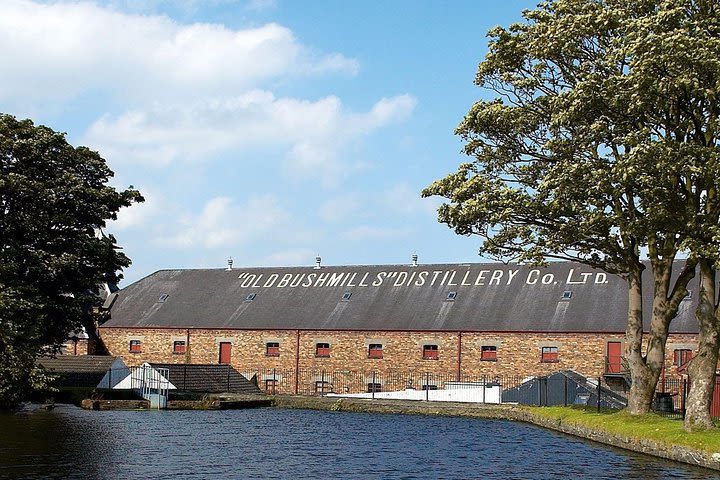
x: 374, y: 387
x: 272, y: 349
x: 135, y: 346
x: 271, y: 386
x: 179, y: 346
x: 681, y: 356
x: 322, y: 349
x: 567, y: 294
x: 375, y: 350
x: 430, y: 352
x: 346, y: 296
x: 250, y: 297
x: 488, y: 353
x: 451, y: 296
x: 323, y: 387
x: 549, y: 354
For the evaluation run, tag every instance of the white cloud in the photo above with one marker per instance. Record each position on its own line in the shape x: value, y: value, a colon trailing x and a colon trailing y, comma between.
x: 190, y: 91
x: 313, y: 134
x: 58, y: 50
x: 385, y: 111
x: 187, y: 7
x: 367, y: 232
x: 136, y: 215
x: 223, y: 223
x: 301, y: 256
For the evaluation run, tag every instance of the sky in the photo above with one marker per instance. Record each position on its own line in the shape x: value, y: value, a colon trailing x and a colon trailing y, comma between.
x: 266, y: 131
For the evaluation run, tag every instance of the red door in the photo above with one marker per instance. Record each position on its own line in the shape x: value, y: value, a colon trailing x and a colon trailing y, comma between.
x: 614, y: 357
x: 225, y: 351
x: 715, y: 407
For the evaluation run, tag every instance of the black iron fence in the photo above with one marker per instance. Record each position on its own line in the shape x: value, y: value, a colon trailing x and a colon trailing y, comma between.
x: 671, y: 396
x: 182, y: 378
x: 560, y: 388
x: 208, y: 378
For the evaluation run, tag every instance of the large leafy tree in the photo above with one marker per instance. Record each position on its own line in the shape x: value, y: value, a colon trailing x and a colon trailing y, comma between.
x: 590, y: 152
x: 54, y: 199
x: 684, y: 60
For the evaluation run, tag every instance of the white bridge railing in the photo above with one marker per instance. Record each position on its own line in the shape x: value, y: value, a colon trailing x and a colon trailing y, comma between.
x: 152, y: 384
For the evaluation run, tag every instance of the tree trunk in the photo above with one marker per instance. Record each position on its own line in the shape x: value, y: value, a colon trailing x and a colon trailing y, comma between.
x: 645, y: 369
x: 642, y: 388
x: 702, y: 367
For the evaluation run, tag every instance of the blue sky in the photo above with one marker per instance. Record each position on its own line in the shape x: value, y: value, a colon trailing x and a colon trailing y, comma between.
x: 268, y: 131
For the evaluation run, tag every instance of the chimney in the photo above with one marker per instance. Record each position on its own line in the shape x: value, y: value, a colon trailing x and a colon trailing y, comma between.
x: 317, y: 262
x: 414, y: 260
x: 230, y: 262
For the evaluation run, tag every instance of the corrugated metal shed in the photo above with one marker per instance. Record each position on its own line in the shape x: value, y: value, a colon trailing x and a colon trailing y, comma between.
x: 562, y: 297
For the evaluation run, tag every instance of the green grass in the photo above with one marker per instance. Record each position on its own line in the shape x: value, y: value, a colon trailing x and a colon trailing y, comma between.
x: 650, y: 426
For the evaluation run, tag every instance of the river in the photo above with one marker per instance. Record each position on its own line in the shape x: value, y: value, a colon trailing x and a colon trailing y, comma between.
x: 274, y: 443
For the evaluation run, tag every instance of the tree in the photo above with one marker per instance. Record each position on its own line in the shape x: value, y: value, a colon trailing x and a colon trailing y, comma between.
x: 589, y: 152
x: 702, y: 367
x: 686, y: 63
x: 53, y: 199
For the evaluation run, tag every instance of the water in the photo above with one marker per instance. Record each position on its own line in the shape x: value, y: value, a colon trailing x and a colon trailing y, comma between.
x: 274, y: 443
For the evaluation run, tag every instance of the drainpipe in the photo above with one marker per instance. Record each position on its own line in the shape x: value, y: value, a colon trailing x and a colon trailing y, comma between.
x: 297, y: 362
x: 187, y: 346
x: 459, y: 361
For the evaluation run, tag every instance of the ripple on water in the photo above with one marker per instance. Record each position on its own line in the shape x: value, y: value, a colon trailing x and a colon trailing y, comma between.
x: 275, y: 443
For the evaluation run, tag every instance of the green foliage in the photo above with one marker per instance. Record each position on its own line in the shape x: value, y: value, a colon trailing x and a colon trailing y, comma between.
x: 337, y: 406
x: 54, y: 199
x: 600, y: 143
x: 602, y: 136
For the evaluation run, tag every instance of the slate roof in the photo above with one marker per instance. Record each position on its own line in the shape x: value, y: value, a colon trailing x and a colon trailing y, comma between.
x: 78, y: 363
x: 487, y: 297
x: 79, y: 370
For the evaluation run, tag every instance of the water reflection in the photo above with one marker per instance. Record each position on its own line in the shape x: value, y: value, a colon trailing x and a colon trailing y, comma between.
x: 273, y: 443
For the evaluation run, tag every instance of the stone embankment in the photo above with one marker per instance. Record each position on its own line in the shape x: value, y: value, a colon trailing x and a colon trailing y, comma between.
x: 210, y: 402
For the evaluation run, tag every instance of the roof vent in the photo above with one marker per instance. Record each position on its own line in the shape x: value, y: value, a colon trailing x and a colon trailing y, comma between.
x: 317, y: 261
x: 230, y: 262
x: 414, y: 260
x: 163, y: 297
x: 451, y: 296
x: 109, y: 301
x: 250, y: 297
x: 566, y: 295
x: 346, y: 296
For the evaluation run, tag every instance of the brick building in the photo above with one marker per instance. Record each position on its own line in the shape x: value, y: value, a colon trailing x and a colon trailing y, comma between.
x: 461, y: 320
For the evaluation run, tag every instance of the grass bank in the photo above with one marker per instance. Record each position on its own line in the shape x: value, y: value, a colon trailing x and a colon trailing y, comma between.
x: 644, y: 427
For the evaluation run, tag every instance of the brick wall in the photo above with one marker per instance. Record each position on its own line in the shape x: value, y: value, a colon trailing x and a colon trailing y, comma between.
x: 516, y: 353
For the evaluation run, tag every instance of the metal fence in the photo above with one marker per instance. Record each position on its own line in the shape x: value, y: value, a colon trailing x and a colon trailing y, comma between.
x: 189, y: 378
x: 208, y: 378
x: 561, y: 388
x: 671, y: 397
